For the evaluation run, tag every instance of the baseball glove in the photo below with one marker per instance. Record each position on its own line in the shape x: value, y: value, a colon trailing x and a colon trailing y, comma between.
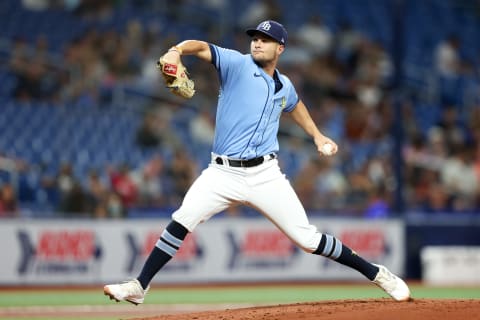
x: 176, y: 78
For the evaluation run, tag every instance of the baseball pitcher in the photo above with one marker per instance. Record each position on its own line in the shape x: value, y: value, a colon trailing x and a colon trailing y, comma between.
x: 244, y: 167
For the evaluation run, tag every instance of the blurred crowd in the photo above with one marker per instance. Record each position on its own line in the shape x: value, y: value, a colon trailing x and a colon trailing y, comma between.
x: 344, y: 76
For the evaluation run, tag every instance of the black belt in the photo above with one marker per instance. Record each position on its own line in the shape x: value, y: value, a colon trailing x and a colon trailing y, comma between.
x: 246, y: 163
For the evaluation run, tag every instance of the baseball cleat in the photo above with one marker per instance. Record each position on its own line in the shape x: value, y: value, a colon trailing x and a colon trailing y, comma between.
x: 391, y: 284
x: 130, y: 291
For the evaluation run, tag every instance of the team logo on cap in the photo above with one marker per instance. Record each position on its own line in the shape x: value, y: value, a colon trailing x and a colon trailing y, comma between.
x: 265, y: 26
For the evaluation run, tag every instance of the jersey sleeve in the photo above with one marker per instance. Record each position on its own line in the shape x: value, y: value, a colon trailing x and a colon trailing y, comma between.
x: 292, y: 96
x: 225, y: 60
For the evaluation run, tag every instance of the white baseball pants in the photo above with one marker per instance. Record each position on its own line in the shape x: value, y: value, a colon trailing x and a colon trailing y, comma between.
x: 263, y: 187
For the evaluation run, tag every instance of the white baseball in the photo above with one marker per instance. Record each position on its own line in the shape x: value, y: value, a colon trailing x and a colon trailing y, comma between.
x: 327, y: 148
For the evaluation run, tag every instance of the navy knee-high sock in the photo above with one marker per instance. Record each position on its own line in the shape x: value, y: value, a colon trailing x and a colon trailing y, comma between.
x: 165, y: 248
x: 333, y: 248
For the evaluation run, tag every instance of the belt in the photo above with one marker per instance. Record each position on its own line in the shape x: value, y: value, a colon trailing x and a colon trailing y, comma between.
x: 244, y: 163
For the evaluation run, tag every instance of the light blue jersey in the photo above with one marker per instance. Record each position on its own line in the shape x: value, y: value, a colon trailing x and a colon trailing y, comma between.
x: 249, y: 109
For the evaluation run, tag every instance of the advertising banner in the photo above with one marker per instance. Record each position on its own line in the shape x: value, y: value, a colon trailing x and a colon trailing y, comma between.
x: 224, y: 249
x: 450, y: 265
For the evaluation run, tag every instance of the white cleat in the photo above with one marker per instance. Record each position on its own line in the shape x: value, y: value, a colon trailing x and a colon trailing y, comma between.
x: 130, y: 291
x: 391, y: 284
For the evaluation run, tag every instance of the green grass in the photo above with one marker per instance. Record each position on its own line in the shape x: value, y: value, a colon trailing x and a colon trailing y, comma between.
x: 264, y: 294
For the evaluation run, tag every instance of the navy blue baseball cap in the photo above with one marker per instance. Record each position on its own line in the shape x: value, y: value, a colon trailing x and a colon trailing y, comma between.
x: 272, y: 29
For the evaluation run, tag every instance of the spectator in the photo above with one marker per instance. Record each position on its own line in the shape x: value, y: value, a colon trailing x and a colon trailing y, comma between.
x: 147, y: 135
x: 123, y: 185
x: 260, y: 10
x: 97, y: 192
x: 89, y: 72
x: 330, y: 186
x: 8, y: 201
x: 451, y: 126
x: 156, y: 130
x: 296, y: 55
x: 449, y: 69
x: 76, y: 201
x: 202, y: 128
x: 315, y: 36
x: 447, y: 57
x: 424, y: 159
x: 65, y: 179
x: 148, y: 180
x: 357, y: 197
x: 459, y: 180
x: 378, y: 205
x: 36, y: 5
x: 68, y: 193
x: 304, y: 184
x: 94, y: 10
x: 372, y: 74
x: 181, y: 172
x: 437, y: 199
x: 474, y: 128
x: 346, y: 44
x: 114, y: 206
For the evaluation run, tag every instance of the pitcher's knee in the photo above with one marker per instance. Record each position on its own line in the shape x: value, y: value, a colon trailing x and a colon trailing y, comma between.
x: 189, y: 221
x: 306, y: 249
x: 308, y: 244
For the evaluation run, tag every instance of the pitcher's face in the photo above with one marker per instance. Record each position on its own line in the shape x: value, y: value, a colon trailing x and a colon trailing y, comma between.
x: 265, y: 49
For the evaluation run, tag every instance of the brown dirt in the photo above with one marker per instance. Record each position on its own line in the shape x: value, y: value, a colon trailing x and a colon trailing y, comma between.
x: 371, y: 309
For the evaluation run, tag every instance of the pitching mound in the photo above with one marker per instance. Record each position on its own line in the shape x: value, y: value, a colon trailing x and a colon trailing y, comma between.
x: 370, y: 309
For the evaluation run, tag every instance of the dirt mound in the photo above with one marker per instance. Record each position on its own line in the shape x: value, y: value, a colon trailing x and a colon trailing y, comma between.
x: 371, y: 309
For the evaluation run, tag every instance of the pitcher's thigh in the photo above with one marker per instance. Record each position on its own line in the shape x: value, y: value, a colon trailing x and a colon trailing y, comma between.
x: 209, y: 194
x: 279, y: 203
